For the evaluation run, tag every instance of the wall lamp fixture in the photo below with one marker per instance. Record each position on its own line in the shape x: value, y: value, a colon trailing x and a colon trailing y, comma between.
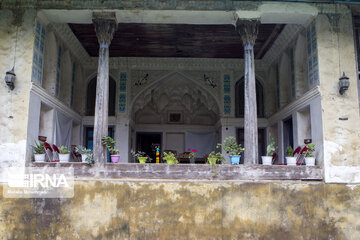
x: 10, y: 79
x: 344, y: 83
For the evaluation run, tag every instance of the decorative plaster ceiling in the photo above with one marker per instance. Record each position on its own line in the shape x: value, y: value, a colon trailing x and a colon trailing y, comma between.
x: 176, y: 93
x: 177, y: 40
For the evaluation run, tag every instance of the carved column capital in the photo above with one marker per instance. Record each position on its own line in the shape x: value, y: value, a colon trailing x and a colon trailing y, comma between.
x: 105, y: 27
x: 248, y: 30
x: 334, y: 19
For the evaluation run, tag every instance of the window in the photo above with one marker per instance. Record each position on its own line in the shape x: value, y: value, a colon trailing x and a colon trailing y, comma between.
x: 38, y: 57
x: 239, y: 98
x: 91, y: 95
x: 313, y: 70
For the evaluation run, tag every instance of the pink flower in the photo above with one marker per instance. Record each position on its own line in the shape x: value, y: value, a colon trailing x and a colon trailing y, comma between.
x: 189, y: 149
x: 194, y: 150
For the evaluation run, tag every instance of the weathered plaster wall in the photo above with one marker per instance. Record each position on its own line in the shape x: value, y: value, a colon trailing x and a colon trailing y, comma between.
x: 15, y: 104
x: 341, y: 137
x: 187, y: 210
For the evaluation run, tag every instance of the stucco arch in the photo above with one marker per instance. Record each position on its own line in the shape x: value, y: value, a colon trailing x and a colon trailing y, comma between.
x: 186, y: 90
x: 260, y: 88
x: 91, y: 96
x: 86, y: 82
x: 164, y: 78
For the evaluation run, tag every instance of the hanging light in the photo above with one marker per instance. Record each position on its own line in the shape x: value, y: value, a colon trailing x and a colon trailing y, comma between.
x: 10, y: 79
x: 344, y: 83
x: 10, y: 75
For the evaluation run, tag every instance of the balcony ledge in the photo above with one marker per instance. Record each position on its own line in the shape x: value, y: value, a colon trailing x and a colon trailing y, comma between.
x: 191, y: 171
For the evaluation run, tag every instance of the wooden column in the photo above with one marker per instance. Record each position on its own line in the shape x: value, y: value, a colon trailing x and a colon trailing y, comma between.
x: 105, y: 26
x: 248, y: 30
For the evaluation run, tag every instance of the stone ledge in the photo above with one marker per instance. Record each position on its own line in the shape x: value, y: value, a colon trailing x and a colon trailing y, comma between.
x: 192, y: 171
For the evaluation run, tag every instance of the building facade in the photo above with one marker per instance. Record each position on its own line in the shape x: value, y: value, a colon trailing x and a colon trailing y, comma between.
x: 185, y: 75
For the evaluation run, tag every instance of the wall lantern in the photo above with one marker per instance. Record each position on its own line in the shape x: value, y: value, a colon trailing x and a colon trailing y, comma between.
x: 10, y: 79
x: 344, y: 83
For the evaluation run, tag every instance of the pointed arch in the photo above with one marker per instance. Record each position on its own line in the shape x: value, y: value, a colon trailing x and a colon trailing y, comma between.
x: 91, y: 96
x: 168, y: 76
x: 239, y: 98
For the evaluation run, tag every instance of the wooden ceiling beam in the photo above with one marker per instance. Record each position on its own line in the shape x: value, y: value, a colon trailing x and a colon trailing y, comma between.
x: 270, y: 40
x: 181, y: 40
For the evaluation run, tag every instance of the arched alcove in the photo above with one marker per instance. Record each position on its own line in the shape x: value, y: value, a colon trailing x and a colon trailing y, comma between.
x: 239, y: 98
x: 270, y: 98
x: 285, y: 79
x: 65, y: 83
x: 91, y: 97
x: 179, y: 95
x: 79, y: 90
x: 300, y: 63
x: 50, y: 61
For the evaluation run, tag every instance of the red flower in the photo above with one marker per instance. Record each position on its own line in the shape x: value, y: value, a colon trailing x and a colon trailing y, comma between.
x: 56, y: 148
x: 304, y: 150
x: 297, y: 150
x: 189, y: 149
x: 194, y: 150
x: 47, y: 146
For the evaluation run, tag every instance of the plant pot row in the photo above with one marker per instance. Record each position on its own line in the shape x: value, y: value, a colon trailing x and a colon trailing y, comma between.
x: 62, y: 157
x: 291, y: 161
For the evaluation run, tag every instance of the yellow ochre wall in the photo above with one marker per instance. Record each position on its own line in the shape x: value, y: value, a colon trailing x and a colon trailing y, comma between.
x: 187, y: 210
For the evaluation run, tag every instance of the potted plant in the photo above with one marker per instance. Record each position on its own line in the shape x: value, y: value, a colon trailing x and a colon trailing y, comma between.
x: 270, y: 149
x: 215, y: 158
x: 140, y: 156
x: 170, y: 158
x: 85, y: 153
x: 110, y: 143
x: 39, y: 152
x: 192, y: 153
x: 309, y: 157
x: 290, y: 159
x: 64, y: 155
x: 232, y: 148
